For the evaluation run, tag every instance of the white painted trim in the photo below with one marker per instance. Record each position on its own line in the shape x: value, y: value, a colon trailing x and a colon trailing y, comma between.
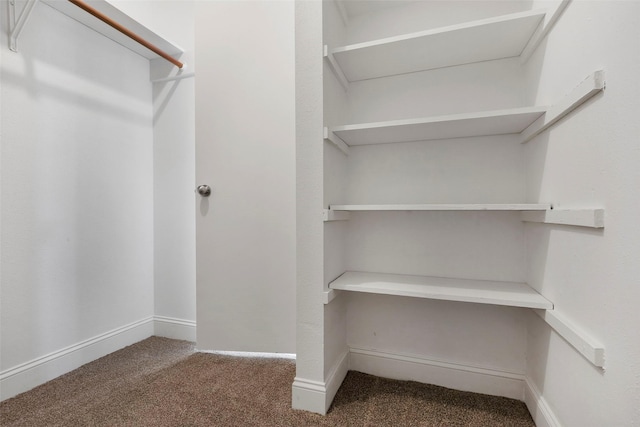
x: 316, y: 396
x: 548, y: 25
x: 456, y: 376
x: 171, y: 327
x: 588, y: 88
x: 336, y: 377
x: 251, y: 354
x: 538, y: 407
x: 593, y: 218
x: 335, y: 67
x: 329, y: 215
x: 308, y: 395
x: 591, y: 349
x: 28, y: 375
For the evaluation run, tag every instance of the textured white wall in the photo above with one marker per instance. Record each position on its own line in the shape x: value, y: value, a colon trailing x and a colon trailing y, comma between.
x: 589, y: 159
x: 77, y: 187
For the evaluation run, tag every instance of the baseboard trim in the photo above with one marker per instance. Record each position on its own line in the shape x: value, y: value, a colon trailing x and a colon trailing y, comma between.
x: 28, y: 375
x: 445, y: 374
x: 336, y: 377
x: 171, y: 327
x: 540, y: 410
x: 317, y: 396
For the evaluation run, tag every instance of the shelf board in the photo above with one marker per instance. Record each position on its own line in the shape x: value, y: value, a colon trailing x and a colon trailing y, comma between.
x: 522, y: 207
x: 463, y: 290
x: 497, y: 122
x: 495, y: 38
x: 120, y: 17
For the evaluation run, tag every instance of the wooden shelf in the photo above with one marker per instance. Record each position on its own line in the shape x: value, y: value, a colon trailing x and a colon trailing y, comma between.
x: 498, y: 122
x: 122, y: 18
x: 522, y: 207
x: 495, y: 38
x: 464, y: 290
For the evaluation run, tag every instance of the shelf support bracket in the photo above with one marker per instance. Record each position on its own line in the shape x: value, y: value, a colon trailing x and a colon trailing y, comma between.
x: 335, y: 67
x: 590, y: 349
x: 593, y: 218
x: 18, y: 25
x: 336, y: 140
x: 330, y: 215
x: 590, y: 87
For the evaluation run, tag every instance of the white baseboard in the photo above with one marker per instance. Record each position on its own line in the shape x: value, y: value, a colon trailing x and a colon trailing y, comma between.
x: 459, y: 377
x: 316, y: 396
x: 540, y: 410
x: 171, y: 327
x: 28, y: 375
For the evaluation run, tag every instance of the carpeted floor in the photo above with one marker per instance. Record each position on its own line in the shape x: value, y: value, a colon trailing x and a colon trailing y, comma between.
x: 161, y: 382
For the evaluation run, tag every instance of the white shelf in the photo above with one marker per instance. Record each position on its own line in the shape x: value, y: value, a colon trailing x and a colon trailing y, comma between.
x: 495, y: 38
x: 464, y: 290
x: 522, y: 207
x: 120, y: 17
x: 498, y: 122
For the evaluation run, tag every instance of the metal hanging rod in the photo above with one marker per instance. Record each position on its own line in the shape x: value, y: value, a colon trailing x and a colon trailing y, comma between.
x: 82, y: 5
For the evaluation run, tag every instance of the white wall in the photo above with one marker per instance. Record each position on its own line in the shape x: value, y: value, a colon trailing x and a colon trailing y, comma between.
x: 174, y: 176
x: 589, y: 159
x: 245, y: 133
x: 174, y: 167
x: 77, y: 196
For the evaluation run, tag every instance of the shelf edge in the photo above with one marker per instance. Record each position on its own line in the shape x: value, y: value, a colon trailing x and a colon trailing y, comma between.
x: 444, y: 207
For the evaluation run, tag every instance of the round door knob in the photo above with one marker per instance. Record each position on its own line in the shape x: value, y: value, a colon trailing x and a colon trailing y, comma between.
x: 204, y: 190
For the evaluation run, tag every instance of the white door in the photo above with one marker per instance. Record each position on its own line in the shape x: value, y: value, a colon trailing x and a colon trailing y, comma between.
x: 245, y: 151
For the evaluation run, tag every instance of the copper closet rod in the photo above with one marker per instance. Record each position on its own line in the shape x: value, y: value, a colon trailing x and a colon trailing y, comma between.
x: 82, y: 5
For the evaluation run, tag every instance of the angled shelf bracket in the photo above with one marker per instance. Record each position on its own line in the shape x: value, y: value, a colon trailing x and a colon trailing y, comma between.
x: 337, y: 71
x: 336, y: 140
x: 331, y: 215
x: 593, y: 218
x: 586, y: 90
x: 17, y: 24
x: 589, y: 348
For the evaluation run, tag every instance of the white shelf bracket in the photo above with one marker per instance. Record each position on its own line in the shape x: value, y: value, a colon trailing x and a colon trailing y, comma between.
x: 17, y: 25
x: 590, y: 87
x: 550, y: 21
x: 336, y: 140
x: 329, y: 215
x: 586, y: 346
x: 593, y: 218
x: 335, y: 67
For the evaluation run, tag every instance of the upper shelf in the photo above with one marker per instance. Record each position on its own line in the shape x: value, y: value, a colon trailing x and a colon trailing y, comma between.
x: 440, y: 288
x: 495, y: 38
x: 521, y: 207
x: 122, y: 18
x: 498, y: 122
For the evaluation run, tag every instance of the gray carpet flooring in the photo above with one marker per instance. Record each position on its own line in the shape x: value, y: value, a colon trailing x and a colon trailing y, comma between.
x: 162, y: 382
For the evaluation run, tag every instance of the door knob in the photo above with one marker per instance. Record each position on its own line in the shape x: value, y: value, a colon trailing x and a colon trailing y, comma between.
x: 204, y: 190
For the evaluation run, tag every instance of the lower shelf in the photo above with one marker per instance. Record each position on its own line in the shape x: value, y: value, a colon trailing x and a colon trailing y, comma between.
x: 463, y: 290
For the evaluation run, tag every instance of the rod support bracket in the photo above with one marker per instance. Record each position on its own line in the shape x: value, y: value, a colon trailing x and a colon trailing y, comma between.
x: 17, y: 25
